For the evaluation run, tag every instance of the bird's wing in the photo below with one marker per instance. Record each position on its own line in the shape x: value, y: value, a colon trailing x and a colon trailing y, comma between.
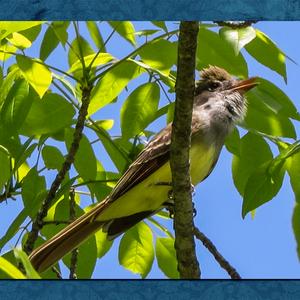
x: 152, y: 157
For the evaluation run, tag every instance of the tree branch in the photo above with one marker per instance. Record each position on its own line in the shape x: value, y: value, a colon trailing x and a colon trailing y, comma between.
x: 188, y: 265
x: 217, y: 255
x: 38, y: 222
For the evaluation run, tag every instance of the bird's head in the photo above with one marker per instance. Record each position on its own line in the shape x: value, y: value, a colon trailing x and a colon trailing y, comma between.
x: 222, y: 94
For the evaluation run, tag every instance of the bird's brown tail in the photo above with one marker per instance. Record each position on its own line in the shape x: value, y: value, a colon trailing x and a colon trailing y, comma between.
x: 66, y: 240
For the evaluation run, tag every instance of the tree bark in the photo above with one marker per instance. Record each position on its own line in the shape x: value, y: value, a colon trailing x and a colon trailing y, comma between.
x: 188, y: 265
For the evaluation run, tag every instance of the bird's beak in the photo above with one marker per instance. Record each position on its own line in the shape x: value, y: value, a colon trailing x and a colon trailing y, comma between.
x: 243, y: 86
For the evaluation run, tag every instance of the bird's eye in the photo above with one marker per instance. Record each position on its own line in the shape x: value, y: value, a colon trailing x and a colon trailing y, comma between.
x: 213, y: 86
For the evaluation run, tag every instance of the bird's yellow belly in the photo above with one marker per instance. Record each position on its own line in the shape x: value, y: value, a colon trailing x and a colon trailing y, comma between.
x: 151, y: 194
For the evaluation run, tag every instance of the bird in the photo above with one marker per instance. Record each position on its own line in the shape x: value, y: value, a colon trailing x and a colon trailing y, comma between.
x: 219, y: 104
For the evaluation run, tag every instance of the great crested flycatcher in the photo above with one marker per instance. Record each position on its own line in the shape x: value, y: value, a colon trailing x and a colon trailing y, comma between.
x: 219, y: 103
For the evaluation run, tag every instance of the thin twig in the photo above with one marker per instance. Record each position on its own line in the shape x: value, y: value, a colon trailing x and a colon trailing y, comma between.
x: 57, y: 273
x: 38, y: 222
x: 217, y: 255
x: 74, y: 253
x: 236, y: 24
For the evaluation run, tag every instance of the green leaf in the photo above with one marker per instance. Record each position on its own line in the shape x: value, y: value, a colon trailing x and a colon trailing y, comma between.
x: 10, y: 269
x: 125, y: 29
x: 160, y: 55
x: 24, y: 152
x: 16, y: 107
x: 103, y: 244
x: 52, y: 157
x: 61, y: 30
x: 139, y: 109
x: 86, y: 259
x: 49, y: 43
x: 269, y: 95
x: 30, y: 271
x: 6, y: 48
x: 8, y: 82
x: 166, y: 257
x: 96, y: 35
x: 112, y: 83
x: 14, y: 227
x: 48, y: 115
x: 136, y: 251
x: 85, y: 159
x: 19, y: 41
x: 293, y: 168
x: 101, y: 59
x: 37, y: 74
x: 232, y: 142
x: 237, y: 37
x: 8, y: 27
x: 253, y: 152
x: 212, y: 50
x: 5, y: 166
x: 296, y: 226
x: 117, y: 154
x: 32, y: 33
x: 265, y: 51
x: 263, y: 185
x: 1, y: 76
x: 160, y: 24
x: 74, y: 52
x: 33, y: 191
x: 263, y: 118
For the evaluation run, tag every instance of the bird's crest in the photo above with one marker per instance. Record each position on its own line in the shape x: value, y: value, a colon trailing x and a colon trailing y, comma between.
x: 214, y: 73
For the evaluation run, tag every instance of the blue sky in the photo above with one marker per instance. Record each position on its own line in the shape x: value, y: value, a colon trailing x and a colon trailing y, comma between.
x: 263, y: 247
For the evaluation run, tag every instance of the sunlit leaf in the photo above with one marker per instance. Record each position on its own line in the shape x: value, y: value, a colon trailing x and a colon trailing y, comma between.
x: 139, y: 109
x: 6, y: 51
x: 103, y: 245
x: 112, y: 83
x: 37, y: 74
x: 161, y: 55
x: 10, y: 269
x: 136, y: 251
x: 212, y: 50
x: 8, y: 27
x: 96, y: 35
x: 166, y: 257
x: 8, y: 82
x: 237, y: 37
x: 19, y: 41
x: 101, y: 59
x: 124, y: 29
x: 265, y: 51
x: 293, y: 168
x: 75, y: 53
x: 30, y: 271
